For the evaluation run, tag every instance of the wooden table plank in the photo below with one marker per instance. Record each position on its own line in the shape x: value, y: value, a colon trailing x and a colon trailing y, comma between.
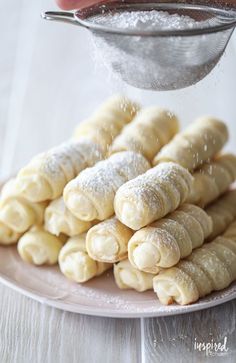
x: 171, y: 339
x: 34, y: 333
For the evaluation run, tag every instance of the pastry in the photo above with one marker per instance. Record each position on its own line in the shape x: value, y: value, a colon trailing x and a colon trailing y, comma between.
x: 165, y: 242
x: 107, y: 122
x: 152, y: 195
x: 40, y: 247
x: 108, y: 241
x: 209, y: 268
x: 7, y: 235
x: 58, y: 219
x: 128, y: 277
x: 90, y: 196
x: 46, y: 175
x: 151, y: 129
x: 75, y: 262
x: 213, y: 179
x: 197, y: 144
x: 18, y: 213
x: 222, y: 213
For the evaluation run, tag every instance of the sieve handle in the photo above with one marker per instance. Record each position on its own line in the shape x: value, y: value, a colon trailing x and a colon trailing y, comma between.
x: 62, y: 16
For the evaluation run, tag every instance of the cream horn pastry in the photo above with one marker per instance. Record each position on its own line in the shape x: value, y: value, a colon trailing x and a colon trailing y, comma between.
x: 152, y: 195
x: 75, y: 262
x: 165, y: 242
x: 90, y: 196
x: 209, y: 268
x: 7, y: 235
x: 195, y: 145
x: 107, y: 122
x: 46, y: 175
x: 108, y: 241
x: 230, y: 232
x: 222, y: 213
x: 213, y: 179
x: 17, y: 212
x: 58, y: 219
x: 40, y: 247
x: 128, y: 277
x: 151, y: 129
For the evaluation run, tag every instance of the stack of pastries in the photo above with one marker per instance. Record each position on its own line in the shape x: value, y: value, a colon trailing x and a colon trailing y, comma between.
x: 130, y: 192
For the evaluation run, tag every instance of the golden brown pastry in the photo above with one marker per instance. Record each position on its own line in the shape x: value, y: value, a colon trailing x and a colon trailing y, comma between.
x: 165, y: 242
x: 75, y: 262
x: 196, y: 145
x: 128, y: 277
x: 213, y: 179
x: 107, y: 122
x: 151, y: 129
x: 108, y: 241
x: 40, y: 247
x: 209, y: 268
x: 16, y: 212
x: 46, y: 175
x: 58, y: 219
x: 222, y: 213
x: 7, y: 235
x: 90, y: 196
x: 152, y: 195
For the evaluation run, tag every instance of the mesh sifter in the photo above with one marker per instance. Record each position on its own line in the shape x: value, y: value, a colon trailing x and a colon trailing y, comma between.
x: 157, y: 59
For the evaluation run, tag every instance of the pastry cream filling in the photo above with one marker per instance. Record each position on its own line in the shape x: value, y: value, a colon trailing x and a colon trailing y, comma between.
x: 32, y: 253
x: 129, y: 278
x: 34, y: 188
x: 167, y: 292
x: 78, y: 266
x: 7, y: 236
x: 130, y: 215
x: 104, y: 246
x: 81, y: 207
x: 17, y: 216
x: 146, y: 255
x: 56, y: 224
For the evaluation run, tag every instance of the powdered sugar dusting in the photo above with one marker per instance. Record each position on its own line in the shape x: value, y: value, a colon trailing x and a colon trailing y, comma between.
x: 148, y: 20
x: 158, y: 63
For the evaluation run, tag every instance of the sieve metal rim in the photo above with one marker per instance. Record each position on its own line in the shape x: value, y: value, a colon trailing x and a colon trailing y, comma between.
x: 79, y: 17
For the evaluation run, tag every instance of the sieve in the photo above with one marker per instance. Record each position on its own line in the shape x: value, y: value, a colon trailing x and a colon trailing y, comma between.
x: 156, y: 59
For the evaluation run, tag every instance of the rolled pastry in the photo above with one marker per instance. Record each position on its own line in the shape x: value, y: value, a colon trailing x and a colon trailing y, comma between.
x: 40, y: 247
x: 197, y: 144
x: 108, y: 241
x: 211, y: 267
x: 18, y: 213
x: 107, y: 122
x: 152, y: 195
x: 7, y: 235
x: 90, y: 196
x: 75, y: 262
x: 151, y: 129
x: 128, y: 277
x: 165, y: 242
x: 222, y: 213
x: 230, y: 232
x: 46, y: 175
x: 58, y: 219
x: 213, y: 179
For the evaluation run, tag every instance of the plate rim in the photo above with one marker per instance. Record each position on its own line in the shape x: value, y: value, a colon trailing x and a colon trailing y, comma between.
x: 105, y: 312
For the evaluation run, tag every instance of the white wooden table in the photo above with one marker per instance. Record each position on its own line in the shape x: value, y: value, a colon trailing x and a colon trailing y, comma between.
x: 47, y: 85
x: 33, y: 333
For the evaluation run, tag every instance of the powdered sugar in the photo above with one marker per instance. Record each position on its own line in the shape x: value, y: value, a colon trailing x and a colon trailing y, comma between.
x: 155, y: 62
x: 145, y: 20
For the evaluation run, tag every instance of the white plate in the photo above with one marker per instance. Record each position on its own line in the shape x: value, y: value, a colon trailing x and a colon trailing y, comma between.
x: 98, y: 297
